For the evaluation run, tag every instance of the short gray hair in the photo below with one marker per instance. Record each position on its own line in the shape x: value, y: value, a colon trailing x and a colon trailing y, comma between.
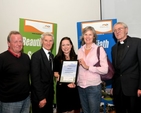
x: 47, y: 34
x: 121, y: 23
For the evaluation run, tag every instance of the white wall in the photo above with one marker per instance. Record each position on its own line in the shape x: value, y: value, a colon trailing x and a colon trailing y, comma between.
x: 127, y: 11
x: 66, y: 13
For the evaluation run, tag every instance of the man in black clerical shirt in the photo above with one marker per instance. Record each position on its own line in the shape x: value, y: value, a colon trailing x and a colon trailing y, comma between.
x: 126, y: 55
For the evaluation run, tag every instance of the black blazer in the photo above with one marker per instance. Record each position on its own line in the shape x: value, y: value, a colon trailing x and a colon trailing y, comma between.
x: 129, y: 76
x: 41, y: 77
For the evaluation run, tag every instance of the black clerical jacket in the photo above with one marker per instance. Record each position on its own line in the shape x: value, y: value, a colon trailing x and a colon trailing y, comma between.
x: 128, y: 71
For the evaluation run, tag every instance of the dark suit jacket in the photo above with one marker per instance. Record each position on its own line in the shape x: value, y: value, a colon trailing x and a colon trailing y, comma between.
x: 129, y: 76
x: 41, y: 77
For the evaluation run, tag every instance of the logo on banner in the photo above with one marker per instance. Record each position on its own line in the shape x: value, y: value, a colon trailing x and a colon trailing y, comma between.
x: 101, y: 27
x: 31, y: 31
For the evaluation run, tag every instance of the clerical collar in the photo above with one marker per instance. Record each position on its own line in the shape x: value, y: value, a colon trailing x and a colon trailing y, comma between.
x: 122, y: 42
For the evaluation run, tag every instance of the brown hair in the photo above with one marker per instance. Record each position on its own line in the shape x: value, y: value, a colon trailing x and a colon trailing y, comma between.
x: 88, y: 28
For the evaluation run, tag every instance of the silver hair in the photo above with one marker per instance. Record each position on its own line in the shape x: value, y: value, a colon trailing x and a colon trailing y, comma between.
x: 47, y: 34
x: 121, y: 23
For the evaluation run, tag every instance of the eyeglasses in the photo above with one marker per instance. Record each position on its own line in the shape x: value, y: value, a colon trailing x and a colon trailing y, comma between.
x: 119, y: 29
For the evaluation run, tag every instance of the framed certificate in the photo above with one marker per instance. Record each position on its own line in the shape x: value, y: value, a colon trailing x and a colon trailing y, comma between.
x: 69, y: 71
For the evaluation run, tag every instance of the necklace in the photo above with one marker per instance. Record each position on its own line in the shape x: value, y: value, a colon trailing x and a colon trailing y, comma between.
x: 67, y: 57
x: 87, y: 48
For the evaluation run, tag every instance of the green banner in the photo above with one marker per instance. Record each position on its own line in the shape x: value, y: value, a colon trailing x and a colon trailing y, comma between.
x: 31, y: 31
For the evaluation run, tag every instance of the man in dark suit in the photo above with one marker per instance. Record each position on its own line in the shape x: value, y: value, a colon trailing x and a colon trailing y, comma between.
x: 126, y: 55
x: 42, y: 77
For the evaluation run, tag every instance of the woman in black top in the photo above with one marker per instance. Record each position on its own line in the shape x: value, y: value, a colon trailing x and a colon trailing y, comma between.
x: 66, y: 93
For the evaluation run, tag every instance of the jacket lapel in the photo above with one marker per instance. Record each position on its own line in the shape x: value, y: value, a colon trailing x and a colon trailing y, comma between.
x: 116, y: 49
x: 45, y: 60
x: 126, y: 48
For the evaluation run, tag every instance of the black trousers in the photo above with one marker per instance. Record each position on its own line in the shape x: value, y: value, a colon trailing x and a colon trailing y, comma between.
x: 48, y: 108
x: 127, y: 104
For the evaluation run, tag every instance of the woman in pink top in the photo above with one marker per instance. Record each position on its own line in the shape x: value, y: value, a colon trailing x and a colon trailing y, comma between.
x: 89, y: 81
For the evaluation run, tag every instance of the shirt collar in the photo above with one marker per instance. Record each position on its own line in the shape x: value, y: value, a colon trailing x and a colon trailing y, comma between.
x: 14, y: 54
x: 83, y: 47
x: 46, y: 51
